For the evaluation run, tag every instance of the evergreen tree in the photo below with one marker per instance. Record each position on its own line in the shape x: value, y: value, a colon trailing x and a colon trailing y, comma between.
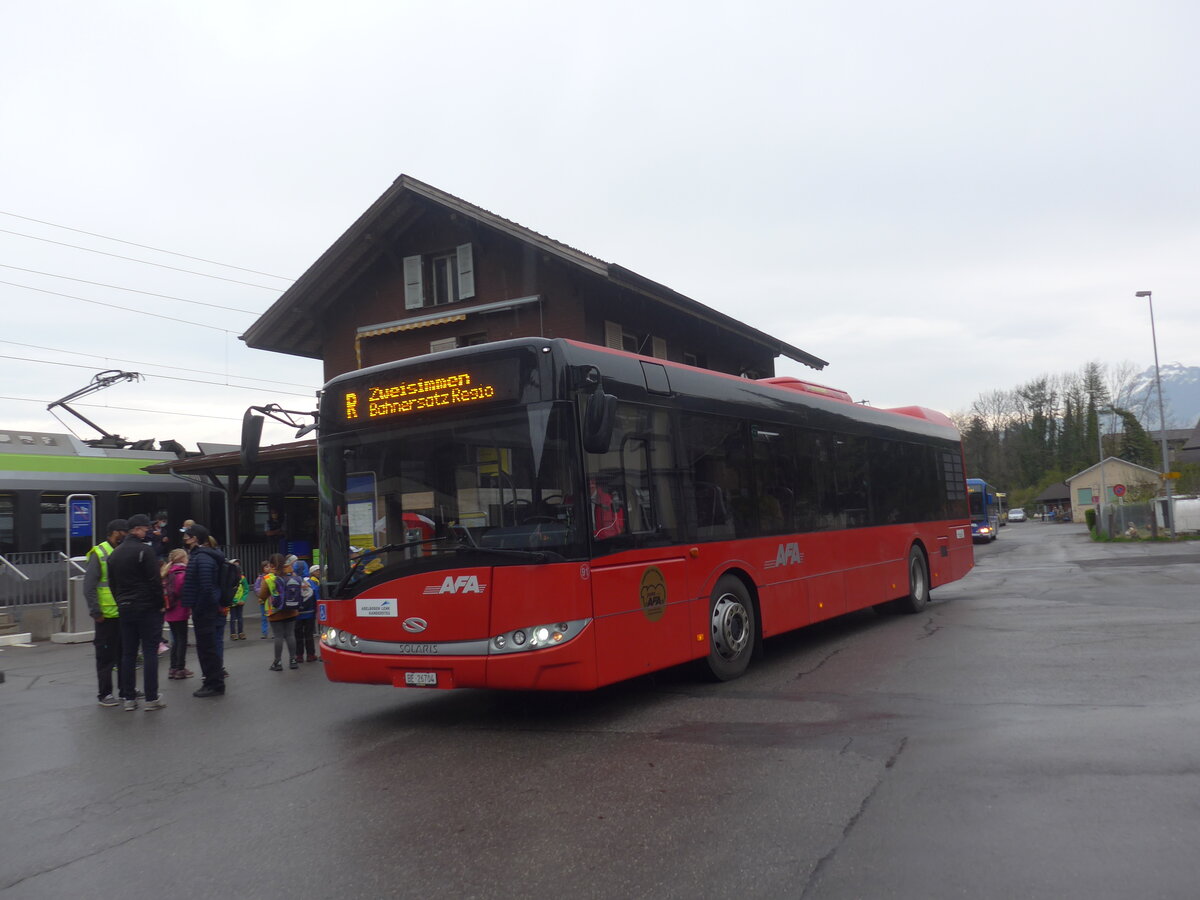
x: 1136, y: 446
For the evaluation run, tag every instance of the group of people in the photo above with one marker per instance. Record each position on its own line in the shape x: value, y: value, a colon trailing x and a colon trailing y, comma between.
x: 133, y: 584
x: 292, y: 626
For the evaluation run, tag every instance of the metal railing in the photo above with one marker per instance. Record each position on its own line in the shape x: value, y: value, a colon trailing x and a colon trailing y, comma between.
x: 43, y: 577
x: 35, y: 579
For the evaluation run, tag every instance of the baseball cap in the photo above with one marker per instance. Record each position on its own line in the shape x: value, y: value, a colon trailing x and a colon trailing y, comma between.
x: 199, y: 532
x: 117, y: 525
x: 138, y: 520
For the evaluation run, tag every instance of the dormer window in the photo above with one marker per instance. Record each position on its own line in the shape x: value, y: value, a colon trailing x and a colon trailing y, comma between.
x: 439, y: 278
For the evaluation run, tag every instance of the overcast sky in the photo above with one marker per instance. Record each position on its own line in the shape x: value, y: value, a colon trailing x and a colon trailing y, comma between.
x: 940, y: 198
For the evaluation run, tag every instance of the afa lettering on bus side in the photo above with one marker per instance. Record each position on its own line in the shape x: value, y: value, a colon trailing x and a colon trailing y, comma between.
x: 786, y: 555
x: 466, y: 584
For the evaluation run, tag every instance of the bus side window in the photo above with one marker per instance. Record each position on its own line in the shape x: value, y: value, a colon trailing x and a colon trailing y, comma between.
x: 639, y: 474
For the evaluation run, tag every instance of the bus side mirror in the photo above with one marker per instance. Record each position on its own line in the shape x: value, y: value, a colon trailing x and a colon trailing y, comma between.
x: 599, y: 418
x: 252, y: 427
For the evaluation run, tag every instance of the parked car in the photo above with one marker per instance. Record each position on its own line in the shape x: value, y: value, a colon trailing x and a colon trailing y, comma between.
x: 1016, y: 515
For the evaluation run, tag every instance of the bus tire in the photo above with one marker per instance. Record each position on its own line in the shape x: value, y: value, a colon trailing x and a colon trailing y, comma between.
x: 918, y: 583
x: 732, y: 629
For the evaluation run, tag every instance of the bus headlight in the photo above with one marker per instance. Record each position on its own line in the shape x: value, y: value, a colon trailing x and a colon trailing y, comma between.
x: 538, y: 637
x: 548, y: 635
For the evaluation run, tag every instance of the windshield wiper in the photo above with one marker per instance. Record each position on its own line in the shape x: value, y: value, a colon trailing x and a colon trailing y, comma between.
x: 463, y: 542
x: 386, y: 548
x: 466, y: 541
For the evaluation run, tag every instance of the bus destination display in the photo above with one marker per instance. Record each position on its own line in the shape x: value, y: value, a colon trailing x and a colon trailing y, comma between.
x: 404, y: 394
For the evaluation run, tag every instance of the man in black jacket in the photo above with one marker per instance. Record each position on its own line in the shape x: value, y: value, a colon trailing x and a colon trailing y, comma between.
x: 202, y: 594
x: 134, y: 579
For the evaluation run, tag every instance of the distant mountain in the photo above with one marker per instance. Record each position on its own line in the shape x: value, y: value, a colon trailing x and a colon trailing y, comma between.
x: 1181, y: 395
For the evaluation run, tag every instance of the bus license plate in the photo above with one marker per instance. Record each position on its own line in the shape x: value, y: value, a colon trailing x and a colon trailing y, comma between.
x: 420, y: 679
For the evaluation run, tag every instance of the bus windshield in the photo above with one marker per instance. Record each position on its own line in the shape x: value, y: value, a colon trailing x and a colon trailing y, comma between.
x: 977, y: 501
x: 416, y: 497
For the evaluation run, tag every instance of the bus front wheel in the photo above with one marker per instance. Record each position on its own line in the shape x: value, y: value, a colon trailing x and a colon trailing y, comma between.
x: 918, y: 583
x: 731, y: 629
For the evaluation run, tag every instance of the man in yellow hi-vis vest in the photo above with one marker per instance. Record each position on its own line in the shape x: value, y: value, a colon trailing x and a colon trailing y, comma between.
x: 103, y: 608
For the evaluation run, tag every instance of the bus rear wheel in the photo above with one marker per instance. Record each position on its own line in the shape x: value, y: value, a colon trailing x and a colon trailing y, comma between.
x: 731, y: 629
x: 918, y: 583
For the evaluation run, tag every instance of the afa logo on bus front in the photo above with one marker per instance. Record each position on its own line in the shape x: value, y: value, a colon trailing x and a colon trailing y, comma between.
x: 374, y: 609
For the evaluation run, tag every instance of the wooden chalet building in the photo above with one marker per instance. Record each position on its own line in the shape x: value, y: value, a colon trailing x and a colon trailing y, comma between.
x: 422, y: 271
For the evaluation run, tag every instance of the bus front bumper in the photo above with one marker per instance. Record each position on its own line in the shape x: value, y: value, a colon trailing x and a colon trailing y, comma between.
x: 569, y: 667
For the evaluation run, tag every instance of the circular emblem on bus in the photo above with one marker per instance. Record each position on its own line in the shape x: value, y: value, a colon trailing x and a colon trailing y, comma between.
x: 414, y: 625
x: 654, y: 594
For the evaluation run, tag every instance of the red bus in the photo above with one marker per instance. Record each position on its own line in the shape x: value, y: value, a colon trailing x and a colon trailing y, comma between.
x: 544, y: 514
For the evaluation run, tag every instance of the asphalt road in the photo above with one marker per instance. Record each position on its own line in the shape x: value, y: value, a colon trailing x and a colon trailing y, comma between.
x: 1032, y: 734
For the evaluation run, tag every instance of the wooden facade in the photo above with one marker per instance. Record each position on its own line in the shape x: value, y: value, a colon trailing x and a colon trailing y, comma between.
x: 422, y: 271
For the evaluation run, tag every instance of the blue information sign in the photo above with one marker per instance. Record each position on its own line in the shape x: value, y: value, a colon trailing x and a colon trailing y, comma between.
x: 81, y: 518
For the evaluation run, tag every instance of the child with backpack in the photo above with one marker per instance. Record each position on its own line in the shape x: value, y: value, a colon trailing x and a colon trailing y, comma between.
x: 237, y: 627
x: 176, y: 614
x: 264, y: 570
x: 306, y: 622
x: 283, y: 592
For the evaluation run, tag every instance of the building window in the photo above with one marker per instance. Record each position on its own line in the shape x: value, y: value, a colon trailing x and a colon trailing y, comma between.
x: 617, y: 337
x: 699, y: 360
x: 1084, y: 496
x: 439, y: 278
x: 444, y: 283
x: 443, y: 344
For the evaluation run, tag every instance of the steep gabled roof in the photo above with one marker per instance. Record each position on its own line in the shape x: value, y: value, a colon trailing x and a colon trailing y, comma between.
x: 1153, y: 472
x: 292, y: 325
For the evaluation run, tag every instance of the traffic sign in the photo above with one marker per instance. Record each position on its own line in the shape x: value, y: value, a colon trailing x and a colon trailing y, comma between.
x: 1118, y: 490
x: 81, y: 518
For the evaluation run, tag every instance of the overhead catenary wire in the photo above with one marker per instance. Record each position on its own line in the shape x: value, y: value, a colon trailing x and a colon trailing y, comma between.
x: 142, y: 261
x: 140, y: 362
x: 106, y: 237
x: 115, y: 306
x: 159, y: 412
x: 259, y: 385
x: 241, y: 387
x: 117, y: 287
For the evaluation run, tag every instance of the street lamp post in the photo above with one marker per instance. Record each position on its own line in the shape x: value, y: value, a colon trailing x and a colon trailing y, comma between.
x: 1162, y: 418
x: 1100, y: 529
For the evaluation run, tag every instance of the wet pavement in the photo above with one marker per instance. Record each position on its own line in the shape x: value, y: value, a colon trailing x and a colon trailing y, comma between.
x: 1033, y: 733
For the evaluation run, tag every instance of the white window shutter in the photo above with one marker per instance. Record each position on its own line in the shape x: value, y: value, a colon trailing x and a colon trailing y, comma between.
x: 443, y: 344
x: 414, y: 290
x: 612, y: 335
x: 466, y: 272
x: 660, y: 347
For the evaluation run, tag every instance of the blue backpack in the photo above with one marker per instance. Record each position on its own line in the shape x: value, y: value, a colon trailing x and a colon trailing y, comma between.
x: 291, y: 593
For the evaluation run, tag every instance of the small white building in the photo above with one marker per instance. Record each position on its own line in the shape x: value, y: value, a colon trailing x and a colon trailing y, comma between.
x: 1115, y: 481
